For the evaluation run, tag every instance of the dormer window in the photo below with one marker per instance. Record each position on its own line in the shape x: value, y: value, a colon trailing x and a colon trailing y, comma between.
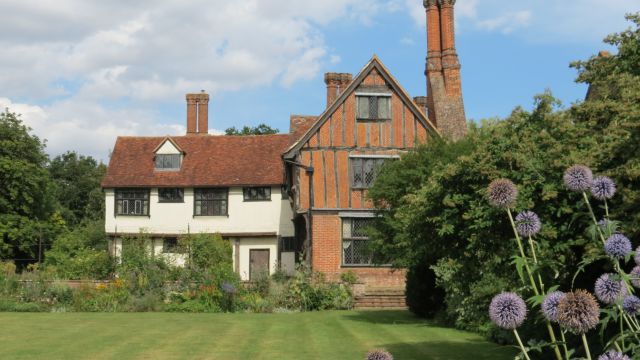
x: 168, y: 161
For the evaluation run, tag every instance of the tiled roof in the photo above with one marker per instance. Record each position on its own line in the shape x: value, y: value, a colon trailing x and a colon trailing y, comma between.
x: 208, y: 161
x: 298, y: 126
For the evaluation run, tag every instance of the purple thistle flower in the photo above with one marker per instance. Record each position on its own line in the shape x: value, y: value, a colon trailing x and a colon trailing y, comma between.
x: 617, y: 246
x: 507, y: 310
x: 631, y: 305
x: 603, y: 188
x: 613, y: 355
x: 379, y: 354
x: 578, y: 178
x: 502, y: 193
x: 609, y: 290
x: 550, y: 305
x: 637, y: 256
x: 228, y: 288
x: 635, y: 276
x: 578, y: 311
x: 528, y: 223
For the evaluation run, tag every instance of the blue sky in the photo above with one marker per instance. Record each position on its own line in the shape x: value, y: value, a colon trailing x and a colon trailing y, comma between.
x: 83, y: 72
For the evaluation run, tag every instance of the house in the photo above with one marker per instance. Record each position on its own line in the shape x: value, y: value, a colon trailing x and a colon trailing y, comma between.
x: 280, y: 197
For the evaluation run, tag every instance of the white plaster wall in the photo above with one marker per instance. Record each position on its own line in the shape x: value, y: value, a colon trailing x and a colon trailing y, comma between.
x: 177, y: 218
x: 246, y: 244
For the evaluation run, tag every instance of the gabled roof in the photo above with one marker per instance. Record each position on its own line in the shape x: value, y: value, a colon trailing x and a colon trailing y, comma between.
x: 168, y: 138
x: 374, y: 63
x: 208, y: 161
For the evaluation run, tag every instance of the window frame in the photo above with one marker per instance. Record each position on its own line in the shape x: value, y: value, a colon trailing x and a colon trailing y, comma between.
x: 146, y: 200
x: 376, y: 95
x: 246, y: 189
x: 362, y: 158
x: 170, y: 249
x: 181, y: 190
x: 155, y: 162
x: 353, y: 239
x: 195, y: 200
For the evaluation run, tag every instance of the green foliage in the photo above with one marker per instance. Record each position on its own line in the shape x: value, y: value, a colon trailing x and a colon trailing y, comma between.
x: 206, y: 251
x: 27, y: 200
x: 433, y: 206
x: 261, y: 129
x: 81, y: 253
x: 349, y: 277
x: 77, y: 180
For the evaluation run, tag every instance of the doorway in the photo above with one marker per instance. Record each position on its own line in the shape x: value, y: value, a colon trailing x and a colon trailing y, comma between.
x: 258, y: 263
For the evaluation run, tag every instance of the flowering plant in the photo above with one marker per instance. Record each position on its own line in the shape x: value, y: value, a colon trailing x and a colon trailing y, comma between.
x: 576, y: 311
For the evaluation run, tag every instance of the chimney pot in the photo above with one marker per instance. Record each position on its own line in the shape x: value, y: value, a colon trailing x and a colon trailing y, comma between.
x: 336, y: 83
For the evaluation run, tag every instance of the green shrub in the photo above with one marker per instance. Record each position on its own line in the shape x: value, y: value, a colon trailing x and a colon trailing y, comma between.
x: 7, y: 305
x: 349, y: 277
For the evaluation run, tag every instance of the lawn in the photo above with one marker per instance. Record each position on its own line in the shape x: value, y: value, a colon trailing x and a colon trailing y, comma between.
x: 316, y: 335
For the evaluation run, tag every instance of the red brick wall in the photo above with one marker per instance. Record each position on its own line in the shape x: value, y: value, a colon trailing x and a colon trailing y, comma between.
x: 327, y: 256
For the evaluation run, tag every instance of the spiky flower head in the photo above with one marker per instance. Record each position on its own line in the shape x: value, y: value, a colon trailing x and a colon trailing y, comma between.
x: 578, y: 311
x: 578, y: 178
x: 507, y: 310
x: 550, y: 305
x: 379, y: 354
x: 617, y: 246
x: 528, y: 223
x: 603, y: 188
x: 631, y: 305
x: 637, y: 256
x: 635, y: 276
x: 608, y: 289
x: 613, y: 355
x: 502, y: 193
x: 228, y: 288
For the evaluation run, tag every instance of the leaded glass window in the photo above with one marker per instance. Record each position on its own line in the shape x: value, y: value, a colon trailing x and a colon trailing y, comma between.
x: 364, y: 171
x: 355, y: 241
x: 168, y: 161
x: 211, y: 202
x: 374, y: 107
x: 262, y: 193
x: 132, y: 202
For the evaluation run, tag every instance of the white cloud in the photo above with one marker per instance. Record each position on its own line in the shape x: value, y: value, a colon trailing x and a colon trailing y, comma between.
x: 548, y: 21
x: 70, y: 65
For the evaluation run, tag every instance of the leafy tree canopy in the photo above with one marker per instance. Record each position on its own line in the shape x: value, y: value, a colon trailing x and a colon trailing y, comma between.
x: 27, y: 199
x: 435, y: 213
x: 261, y: 129
x: 77, y: 178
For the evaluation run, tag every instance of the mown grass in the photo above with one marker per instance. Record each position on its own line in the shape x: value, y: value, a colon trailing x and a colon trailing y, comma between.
x: 317, y: 335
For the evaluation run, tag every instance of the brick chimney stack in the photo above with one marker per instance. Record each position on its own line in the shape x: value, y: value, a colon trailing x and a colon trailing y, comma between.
x: 198, y: 113
x: 444, y: 88
x: 336, y: 83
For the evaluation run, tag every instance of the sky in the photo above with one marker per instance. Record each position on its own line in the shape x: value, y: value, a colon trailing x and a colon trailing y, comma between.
x: 83, y: 72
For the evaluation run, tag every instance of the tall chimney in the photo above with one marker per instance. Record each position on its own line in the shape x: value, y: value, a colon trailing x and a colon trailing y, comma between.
x: 421, y: 102
x: 444, y: 89
x: 336, y: 83
x: 198, y: 113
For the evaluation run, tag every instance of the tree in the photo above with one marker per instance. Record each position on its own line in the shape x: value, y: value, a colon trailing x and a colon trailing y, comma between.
x: 433, y: 205
x: 27, y: 199
x: 261, y: 129
x: 77, y: 178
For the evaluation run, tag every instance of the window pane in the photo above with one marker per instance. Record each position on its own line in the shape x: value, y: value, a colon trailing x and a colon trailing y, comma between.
x: 373, y: 107
x: 356, y: 172
x: 384, y: 107
x: 363, y: 107
x: 168, y: 161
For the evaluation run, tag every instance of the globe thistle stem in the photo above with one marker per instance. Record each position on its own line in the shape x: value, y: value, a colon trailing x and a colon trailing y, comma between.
x: 535, y: 262
x: 593, y: 216
x: 586, y: 346
x: 564, y: 344
x: 552, y: 334
x: 524, y: 350
x: 524, y: 257
x: 621, y: 321
x: 601, y: 235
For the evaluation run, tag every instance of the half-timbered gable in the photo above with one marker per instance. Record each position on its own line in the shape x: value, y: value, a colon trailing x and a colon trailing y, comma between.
x: 368, y: 120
